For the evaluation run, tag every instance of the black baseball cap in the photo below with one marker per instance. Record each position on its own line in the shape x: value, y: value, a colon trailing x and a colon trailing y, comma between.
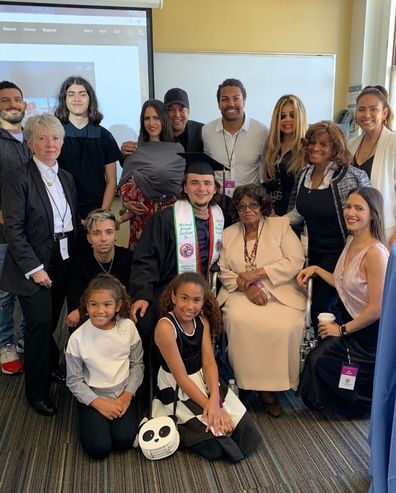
x: 176, y: 95
x: 201, y: 164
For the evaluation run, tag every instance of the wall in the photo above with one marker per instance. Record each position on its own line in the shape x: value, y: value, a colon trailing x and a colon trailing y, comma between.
x: 282, y: 26
x: 371, y: 52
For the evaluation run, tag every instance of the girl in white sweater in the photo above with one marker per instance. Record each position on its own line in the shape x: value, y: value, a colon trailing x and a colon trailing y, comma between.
x: 104, y: 359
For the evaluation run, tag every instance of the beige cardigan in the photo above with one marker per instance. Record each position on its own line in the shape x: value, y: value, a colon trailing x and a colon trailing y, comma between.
x: 279, y: 251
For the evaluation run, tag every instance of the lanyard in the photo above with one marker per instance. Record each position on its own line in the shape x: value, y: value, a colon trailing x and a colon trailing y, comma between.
x: 229, y: 157
x: 62, y: 218
x: 347, y: 350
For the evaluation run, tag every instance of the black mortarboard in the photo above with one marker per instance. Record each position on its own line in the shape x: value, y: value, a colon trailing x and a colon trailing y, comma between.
x: 201, y: 163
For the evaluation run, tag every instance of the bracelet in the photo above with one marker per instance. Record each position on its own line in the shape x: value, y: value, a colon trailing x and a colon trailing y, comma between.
x: 343, y: 330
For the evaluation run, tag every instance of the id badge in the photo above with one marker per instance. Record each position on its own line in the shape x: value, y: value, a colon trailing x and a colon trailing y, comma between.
x: 348, y: 376
x: 260, y: 285
x: 64, y: 250
x: 229, y: 187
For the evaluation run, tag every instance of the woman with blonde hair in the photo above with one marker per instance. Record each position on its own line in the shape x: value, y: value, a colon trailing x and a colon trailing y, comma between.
x: 284, y: 154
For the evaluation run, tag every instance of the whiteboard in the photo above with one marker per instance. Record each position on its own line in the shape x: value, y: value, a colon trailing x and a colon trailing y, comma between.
x: 266, y: 77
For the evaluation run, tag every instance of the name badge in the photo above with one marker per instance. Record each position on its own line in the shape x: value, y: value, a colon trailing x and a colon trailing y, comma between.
x: 348, y: 376
x: 64, y: 250
x: 229, y: 187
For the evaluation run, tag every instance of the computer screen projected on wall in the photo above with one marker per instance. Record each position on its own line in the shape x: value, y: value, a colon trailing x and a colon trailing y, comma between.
x: 40, y: 46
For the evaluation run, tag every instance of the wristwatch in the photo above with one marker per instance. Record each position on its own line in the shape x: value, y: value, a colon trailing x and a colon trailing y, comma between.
x: 343, y: 330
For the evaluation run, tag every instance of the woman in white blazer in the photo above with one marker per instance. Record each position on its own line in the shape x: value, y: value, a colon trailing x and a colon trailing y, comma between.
x: 375, y: 150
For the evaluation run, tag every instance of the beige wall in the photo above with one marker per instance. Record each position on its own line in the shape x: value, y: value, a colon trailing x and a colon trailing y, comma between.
x: 280, y: 26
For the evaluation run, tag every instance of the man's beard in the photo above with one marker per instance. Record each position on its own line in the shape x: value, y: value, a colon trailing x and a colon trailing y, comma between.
x: 6, y: 117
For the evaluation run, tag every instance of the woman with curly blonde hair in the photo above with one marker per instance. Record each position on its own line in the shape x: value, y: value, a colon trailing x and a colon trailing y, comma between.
x: 284, y: 153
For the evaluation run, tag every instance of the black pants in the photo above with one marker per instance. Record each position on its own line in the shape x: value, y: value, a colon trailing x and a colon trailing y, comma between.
x: 146, y: 326
x: 324, y: 296
x: 99, y: 435
x: 41, y: 311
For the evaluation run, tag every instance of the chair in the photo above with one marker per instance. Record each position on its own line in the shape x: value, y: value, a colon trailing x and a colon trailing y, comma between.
x: 308, y: 341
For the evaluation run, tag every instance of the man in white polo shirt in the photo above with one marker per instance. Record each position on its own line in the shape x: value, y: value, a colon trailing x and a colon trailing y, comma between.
x: 235, y: 139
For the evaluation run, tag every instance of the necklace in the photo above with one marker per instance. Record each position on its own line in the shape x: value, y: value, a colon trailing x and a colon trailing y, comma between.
x: 371, y: 151
x: 48, y: 181
x: 101, y: 265
x: 250, y: 260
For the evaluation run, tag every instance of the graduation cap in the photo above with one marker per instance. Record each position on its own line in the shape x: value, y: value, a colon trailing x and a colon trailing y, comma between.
x: 201, y: 164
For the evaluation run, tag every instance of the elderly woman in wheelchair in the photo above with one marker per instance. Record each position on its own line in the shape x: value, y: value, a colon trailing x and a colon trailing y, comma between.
x: 263, y: 307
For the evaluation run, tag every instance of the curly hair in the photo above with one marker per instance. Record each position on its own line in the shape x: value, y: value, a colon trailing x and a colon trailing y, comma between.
x: 255, y: 192
x: 382, y: 94
x: 167, y: 134
x: 61, y: 112
x: 210, y: 308
x: 111, y: 283
x: 232, y: 83
x: 275, y: 137
x: 340, y: 155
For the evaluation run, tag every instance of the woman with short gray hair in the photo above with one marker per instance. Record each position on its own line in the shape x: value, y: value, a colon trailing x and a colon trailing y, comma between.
x: 41, y: 218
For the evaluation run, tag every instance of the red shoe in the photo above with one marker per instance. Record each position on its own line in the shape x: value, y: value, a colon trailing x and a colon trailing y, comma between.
x: 10, y: 363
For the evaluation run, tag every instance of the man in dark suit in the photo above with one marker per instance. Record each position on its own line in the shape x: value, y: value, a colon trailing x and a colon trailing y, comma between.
x: 40, y: 220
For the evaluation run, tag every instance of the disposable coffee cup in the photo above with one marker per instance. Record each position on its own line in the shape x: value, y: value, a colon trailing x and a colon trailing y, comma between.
x: 326, y: 318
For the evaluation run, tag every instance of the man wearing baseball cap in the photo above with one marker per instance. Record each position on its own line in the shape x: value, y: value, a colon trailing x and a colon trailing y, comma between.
x: 187, y: 132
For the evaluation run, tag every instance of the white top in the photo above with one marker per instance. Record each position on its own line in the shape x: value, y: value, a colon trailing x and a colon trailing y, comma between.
x: 63, y: 222
x: 383, y: 173
x: 97, y: 359
x: 245, y: 149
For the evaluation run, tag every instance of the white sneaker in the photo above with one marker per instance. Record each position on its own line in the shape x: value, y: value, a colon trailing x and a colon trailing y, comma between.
x: 10, y: 363
x: 20, y: 347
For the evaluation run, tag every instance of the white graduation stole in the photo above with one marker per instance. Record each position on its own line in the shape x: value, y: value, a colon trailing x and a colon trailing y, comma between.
x: 187, y: 246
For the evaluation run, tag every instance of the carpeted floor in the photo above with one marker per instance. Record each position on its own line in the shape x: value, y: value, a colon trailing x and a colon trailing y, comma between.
x: 302, y: 451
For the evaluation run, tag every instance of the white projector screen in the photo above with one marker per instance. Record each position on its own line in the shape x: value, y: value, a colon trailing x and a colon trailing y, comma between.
x: 40, y: 46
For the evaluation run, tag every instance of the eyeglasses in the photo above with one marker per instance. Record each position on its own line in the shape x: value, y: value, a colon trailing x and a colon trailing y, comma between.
x: 251, y: 205
x: 284, y: 114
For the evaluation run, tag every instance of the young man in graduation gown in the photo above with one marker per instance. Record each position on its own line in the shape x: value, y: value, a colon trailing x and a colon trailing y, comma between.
x: 181, y: 238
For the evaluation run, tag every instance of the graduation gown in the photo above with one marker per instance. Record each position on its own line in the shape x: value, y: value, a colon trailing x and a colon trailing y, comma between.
x: 154, y: 260
x: 154, y: 265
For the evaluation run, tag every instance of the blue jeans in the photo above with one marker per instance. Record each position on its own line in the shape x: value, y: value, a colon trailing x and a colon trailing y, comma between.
x: 7, y: 304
